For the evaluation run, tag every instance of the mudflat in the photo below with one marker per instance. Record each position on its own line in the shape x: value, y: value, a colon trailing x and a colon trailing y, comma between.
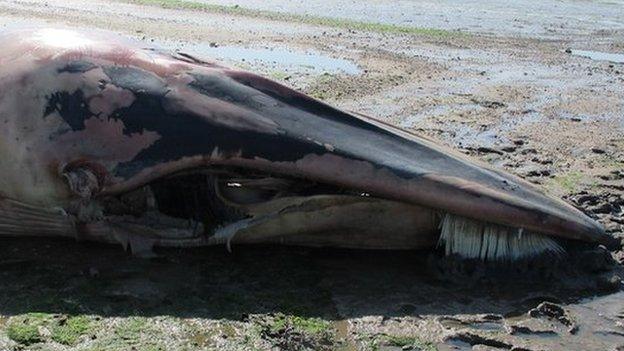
x: 535, y: 89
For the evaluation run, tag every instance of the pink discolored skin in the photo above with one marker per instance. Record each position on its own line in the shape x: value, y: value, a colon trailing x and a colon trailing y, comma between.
x: 136, y: 114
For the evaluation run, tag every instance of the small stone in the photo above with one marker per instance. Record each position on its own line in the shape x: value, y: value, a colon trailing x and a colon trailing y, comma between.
x: 602, y: 208
x: 534, y: 171
x: 547, y: 309
x: 528, y: 151
x: 519, y: 142
x: 553, y: 311
x: 587, y: 199
x: 488, y: 103
x: 544, y: 161
x: 492, y: 317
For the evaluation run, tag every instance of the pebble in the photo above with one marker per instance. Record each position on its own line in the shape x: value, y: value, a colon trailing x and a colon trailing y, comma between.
x: 556, y: 312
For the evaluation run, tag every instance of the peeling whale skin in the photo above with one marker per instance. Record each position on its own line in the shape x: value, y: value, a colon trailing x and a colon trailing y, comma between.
x: 73, y: 101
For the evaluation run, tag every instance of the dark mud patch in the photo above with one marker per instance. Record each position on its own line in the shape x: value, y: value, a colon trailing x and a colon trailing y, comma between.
x: 288, y: 297
x: 73, y: 277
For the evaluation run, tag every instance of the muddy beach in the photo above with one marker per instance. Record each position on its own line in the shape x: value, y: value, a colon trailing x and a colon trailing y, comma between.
x: 539, y: 96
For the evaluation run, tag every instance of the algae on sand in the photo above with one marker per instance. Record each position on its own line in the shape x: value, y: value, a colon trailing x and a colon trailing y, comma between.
x: 31, y: 328
x: 237, y: 10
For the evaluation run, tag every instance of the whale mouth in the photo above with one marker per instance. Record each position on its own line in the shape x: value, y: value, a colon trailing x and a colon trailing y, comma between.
x: 225, y: 205
x: 209, y: 206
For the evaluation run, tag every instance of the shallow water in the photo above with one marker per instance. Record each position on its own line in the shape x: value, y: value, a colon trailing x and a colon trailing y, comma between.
x: 599, y: 321
x: 283, y: 58
x: 599, y: 56
x: 548, y: 18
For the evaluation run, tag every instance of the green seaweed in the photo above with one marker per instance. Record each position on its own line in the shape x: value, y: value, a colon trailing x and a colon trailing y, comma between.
x: 71, y: 329
x: 24, y: 329
x: 307, y: 19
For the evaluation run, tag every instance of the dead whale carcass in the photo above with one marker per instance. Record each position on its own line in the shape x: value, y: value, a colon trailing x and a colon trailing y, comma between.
x: 104, y: 140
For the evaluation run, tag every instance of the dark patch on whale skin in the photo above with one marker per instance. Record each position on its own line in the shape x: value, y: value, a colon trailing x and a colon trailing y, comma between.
x: 182, y: 134
x: 71, y: 107
x: 283, y: 108
x: 217, y: 87
x: 301, y: 116
x: 136, y: 80
x: 77, y: 67
x: 185, y: 134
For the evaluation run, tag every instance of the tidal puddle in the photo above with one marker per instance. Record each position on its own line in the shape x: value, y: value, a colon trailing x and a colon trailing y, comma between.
x: 599, y: 56
x: 303, y: 60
